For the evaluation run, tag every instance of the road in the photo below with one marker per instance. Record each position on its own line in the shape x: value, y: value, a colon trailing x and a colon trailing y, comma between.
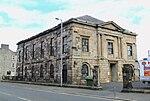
x: 27, y: 92
x: 24, y: 92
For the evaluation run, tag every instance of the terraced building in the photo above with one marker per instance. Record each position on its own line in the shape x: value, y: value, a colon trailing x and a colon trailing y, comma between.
x: 8, y: 61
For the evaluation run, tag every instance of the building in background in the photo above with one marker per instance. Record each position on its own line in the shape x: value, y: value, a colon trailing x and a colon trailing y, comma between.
x: 8, y: 61
x: 90, y: 47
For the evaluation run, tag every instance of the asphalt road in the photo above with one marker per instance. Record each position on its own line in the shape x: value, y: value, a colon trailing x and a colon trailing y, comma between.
x: 24, y: 92
x: 27, y: 92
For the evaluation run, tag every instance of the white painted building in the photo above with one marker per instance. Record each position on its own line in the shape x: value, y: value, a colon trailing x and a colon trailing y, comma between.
x: 8, y: 60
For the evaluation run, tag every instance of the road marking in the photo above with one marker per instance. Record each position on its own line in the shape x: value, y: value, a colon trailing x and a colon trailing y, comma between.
x: 5, y: 93
x: 82, y: 95
x: 23, y: 98
x: 14, y: 96
x: 73, y: 94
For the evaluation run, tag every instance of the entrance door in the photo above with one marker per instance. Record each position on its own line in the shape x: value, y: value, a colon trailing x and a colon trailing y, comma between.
x: 112, y: 72
x: 64, y: 74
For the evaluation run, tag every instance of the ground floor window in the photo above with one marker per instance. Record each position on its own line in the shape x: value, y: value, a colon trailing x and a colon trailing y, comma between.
x: 52, y: 71
x: 84, y: 71
x: 25, y: 72
x: 41, y: 71
x: 33, y: 71
x: 64, y: 74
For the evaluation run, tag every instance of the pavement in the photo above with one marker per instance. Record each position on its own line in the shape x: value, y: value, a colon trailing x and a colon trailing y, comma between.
x: 138, y: 87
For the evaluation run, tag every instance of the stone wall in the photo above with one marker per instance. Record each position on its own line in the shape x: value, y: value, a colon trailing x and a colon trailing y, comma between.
x: 75, y: 58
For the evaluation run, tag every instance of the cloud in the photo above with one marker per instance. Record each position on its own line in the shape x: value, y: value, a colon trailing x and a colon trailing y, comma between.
x: 12, y: 35
x: 142, y: 39
x: 1, y: 20
x: 19, y: 16
x: 23, y: 18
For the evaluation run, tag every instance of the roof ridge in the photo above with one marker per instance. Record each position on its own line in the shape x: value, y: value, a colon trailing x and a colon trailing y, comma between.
x: 90, y: 19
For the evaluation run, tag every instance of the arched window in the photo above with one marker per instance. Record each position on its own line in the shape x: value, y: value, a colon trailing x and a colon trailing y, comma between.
x: 41, y: 71
x: 84, y: 71
x: 18, y: 71
x: 25, y: 72
x: 64, y: 74
x: 52, y: 71
x: 33, y: 71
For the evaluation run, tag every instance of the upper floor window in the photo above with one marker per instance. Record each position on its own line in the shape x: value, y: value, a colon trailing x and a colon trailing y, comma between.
x: 65, y: 44
x: 85, y: 45
x: 52, y: 47
x: 19, y: 56
x: 33, y: 51
x: 13, y: 65
x: 26, y: 53
x: 110, y: 48
x: 42, y: 49
x: 8, y: 72
x: 129, y: 46
x: 13, y: 57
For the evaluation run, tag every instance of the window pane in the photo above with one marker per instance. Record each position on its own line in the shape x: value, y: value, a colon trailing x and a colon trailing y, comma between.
x: 52, y: 47
x: 85, y: 45
x: 65, y: 48
x: 19, y: 56
x: 129, y: 47
x: 33, y: 71
x: 42, y: 49
x: 42, y: 45
x: 25, y: 72
x: 13, y: 65
x: 26, y: 53
x: 33, y: 51
x: 84, y: 71
x: 41, y: 71
x: 51, y: 71
x: 110, y: 48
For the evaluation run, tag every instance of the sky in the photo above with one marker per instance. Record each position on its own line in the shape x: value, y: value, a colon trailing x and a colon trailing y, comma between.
x: 21, y: 19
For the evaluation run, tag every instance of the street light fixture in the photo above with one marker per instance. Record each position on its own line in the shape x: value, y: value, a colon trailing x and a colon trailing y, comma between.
x: 61, y: 65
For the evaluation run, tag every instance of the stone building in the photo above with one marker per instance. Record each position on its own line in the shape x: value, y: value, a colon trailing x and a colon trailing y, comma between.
x: 90, y: 47
x: 8, y: 61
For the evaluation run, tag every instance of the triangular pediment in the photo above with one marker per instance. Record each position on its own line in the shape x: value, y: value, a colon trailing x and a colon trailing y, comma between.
x: 111, y: 25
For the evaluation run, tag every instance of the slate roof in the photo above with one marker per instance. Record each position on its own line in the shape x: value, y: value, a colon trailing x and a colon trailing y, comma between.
x: 86, y: 19
x: 89, y: 19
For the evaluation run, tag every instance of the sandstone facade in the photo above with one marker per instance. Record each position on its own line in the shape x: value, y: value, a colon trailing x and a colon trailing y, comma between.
x: 88, y: 44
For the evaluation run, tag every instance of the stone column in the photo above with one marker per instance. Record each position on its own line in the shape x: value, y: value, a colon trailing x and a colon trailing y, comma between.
x: 134, y: 51
x: 102, y: 45
x: 98, y: 45
x: 119, y: 47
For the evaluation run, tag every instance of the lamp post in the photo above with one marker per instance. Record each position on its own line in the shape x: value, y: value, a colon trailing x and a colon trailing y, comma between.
x: 61, y: 66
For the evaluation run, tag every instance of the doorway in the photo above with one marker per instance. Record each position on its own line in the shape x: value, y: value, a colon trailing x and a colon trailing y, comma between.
x: 64, y: 74
x: 112, y: 72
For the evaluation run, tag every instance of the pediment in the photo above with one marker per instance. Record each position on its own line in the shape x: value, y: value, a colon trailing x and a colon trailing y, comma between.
x: 111, y: 25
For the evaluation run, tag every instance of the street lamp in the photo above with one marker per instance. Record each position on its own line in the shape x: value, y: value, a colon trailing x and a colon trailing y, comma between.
x: 61, y: 66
